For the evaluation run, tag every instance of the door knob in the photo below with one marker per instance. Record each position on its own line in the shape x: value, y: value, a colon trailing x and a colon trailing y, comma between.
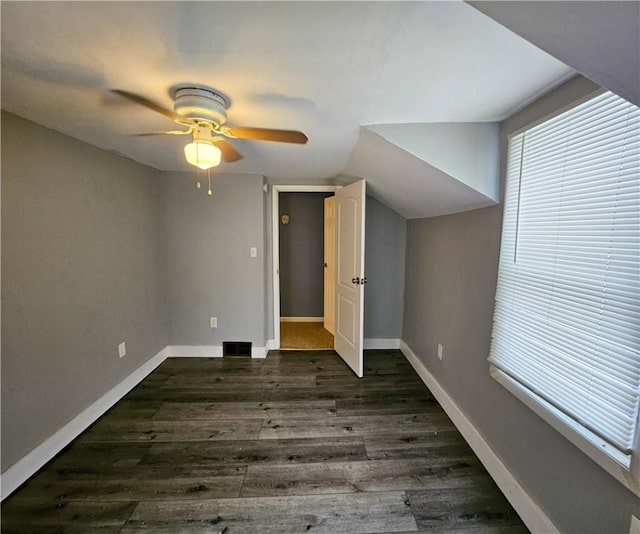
x: 364, y: 280
x: 355, y: 280
x: 324, y: 264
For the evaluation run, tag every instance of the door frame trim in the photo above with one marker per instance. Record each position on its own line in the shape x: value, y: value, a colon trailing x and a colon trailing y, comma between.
x: 275, y: 243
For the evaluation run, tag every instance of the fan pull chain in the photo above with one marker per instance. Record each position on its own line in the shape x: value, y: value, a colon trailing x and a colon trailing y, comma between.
x: 198, y: 185
x: 210, y: 192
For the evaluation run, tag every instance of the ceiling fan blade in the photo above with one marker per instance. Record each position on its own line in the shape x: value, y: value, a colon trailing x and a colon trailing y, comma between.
x: 267, y: 134
x: 229, y: 153
x: 148, y: 104
x: 170, y: 132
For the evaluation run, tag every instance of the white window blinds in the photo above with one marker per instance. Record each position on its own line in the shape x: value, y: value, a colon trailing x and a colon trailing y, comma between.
x: 567, y: 317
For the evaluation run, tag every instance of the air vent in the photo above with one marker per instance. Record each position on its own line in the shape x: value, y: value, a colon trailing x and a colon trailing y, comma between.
x: 236, y: 349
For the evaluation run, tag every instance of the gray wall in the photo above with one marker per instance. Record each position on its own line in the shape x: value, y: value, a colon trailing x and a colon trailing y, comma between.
x: 301, y: 254
x: 450, y: 284
x: 209, y: 270
x: 82, y: 271
x: 385, y: 243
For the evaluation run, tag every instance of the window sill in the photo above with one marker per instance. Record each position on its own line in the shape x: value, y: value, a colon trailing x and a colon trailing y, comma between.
x: 623, y: 468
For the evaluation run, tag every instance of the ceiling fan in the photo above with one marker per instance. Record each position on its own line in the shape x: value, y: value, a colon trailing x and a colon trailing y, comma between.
x: 203, y: 112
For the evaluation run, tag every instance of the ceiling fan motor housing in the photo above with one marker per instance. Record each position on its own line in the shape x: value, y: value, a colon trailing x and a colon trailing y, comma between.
x: 201, y: 105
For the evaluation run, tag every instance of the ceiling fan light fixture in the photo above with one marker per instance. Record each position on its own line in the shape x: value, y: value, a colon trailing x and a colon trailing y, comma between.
x: 202, y: 154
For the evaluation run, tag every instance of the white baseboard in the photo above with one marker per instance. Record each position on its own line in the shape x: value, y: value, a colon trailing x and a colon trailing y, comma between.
x: 301, y: 319
x: 208, y: 351
x: 24, y: 468
x: 194, y: 351
x: 259, y: 352
x: 271, y: 345
x: 380, y: 343
x: 530, y: 513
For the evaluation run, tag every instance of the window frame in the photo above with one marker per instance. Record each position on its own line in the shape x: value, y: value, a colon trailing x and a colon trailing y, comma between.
x: 624, y: 468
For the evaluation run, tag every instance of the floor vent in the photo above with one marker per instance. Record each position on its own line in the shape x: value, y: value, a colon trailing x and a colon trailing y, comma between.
x: 236, y: 348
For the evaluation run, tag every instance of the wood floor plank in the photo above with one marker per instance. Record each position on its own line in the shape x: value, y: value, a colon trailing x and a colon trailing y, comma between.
x: 134, y: 409
x: 215, y: 395
x: 355, y: 477
x: 98, y: 456
x: 236, y: 381
x: 440, y: 443
x: 291, y: 443
x: 488, y: 529
x: 189, y: 364
x: 330, y: 514
x: 145, y: 482
x: 148, y: 430
x: 244, y: 410
x: 359, y: 392
x: 174, y: 527
x: 391, y: 404
x: 251, y: 452
x: 453, y: 510
x: 395, y: 381
x: 295, y: 363
x: 260, y: 394
x: 205, y: 365
x: 356, y: 426
x: 63, y: 516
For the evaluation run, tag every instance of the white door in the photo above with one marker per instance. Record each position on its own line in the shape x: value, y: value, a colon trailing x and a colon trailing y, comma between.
x: 350, y: 280
x: 329, y: 262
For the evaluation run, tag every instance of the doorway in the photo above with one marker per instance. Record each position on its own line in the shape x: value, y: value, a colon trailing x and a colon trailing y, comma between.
x: 299, y: 298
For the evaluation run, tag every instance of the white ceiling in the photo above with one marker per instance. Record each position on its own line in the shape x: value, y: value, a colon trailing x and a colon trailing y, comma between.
x: 408, y: 184
x: 325, y: 68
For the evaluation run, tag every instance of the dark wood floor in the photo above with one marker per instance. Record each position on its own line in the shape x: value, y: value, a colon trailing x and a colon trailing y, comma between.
x: 292, y: 443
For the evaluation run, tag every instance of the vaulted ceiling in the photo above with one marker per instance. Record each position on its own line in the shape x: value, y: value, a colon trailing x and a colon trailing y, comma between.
x: 326, y: 68
x: 600, y: 39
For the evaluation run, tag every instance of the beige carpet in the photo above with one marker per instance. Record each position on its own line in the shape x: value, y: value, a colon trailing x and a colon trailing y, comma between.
x: 304, y: 336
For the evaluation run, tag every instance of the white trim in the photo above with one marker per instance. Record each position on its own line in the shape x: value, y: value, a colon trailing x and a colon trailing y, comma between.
x: 275, y: 243
x: 301, y: 319
x: 270, y: 345
x: 606, y: 456
x: 211, y: 351
x: 194, y: 351
x: 531, y: 514
x: 259, y: 352
x: 275, y: 266
x: 26, y: 467
x: 306, y: 188
x: 29, y: 464
x: 380, y: 343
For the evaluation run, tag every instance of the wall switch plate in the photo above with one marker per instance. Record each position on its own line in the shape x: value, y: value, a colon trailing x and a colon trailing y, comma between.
x: 122, y: 350
x: 213, y: 322
x: 440, y: 351
x: 253, y: 252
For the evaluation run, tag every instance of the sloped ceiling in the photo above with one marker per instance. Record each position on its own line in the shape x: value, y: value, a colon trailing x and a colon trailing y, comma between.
x: 325, y: 68
x: 601, y: 40
x: 407, y: 183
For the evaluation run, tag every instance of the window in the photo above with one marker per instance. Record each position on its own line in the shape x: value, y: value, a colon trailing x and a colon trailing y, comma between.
x: 566, y: 331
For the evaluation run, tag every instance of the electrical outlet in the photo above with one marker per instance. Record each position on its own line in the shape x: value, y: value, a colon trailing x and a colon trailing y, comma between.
x: 440, y: 351
x: 213, y: 322
x: 122, y: 350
